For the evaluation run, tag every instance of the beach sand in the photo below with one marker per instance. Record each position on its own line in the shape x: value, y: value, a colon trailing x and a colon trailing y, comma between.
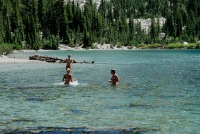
x: 6, y: 59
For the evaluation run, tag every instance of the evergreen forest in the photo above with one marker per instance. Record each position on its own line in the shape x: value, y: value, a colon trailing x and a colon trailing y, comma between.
x: 44, y: 24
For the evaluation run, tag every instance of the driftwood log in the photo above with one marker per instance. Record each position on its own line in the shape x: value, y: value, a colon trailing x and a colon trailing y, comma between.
x: 53, y: 59
x: 44, y: 58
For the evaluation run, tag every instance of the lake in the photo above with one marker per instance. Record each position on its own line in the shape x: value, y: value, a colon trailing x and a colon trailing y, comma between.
x: 158, y: 92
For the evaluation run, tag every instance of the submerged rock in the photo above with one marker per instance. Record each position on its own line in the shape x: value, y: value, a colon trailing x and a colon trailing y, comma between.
x: 76, y: 130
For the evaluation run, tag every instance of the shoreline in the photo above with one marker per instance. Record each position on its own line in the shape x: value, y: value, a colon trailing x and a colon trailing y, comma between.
x: 62, y: 47
x: 6, y: 59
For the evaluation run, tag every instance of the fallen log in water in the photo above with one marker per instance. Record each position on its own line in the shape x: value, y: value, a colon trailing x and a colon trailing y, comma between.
x: 44, y: 58
x: 54, y: 59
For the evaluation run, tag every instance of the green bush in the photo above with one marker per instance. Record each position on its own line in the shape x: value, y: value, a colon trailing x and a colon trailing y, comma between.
x: 186, y: 46
x: 197, y: 46
x: 153, y: 46
x: 191, y: 46
x: 6, y: 49
x: 175, y: 46
x: 134, y: 43
x: 52, y: 42
x: 17, y: 47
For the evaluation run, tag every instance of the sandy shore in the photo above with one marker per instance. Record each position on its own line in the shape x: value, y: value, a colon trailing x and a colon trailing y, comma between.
x: 6, y: 59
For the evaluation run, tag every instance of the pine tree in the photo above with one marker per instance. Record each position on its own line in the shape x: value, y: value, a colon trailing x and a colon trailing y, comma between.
x: 190, y: 27
x: 62, y: 21
x: 7, y: 12
x: 179, y: 23
x: 31, y: 22
x: 153, y: 32
x: 1, y: 22
x: 18, y: 26
x: 131, y: 33
x: 69, y: 14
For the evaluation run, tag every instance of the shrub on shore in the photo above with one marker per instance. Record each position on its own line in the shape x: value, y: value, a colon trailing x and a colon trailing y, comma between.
x: 153, y: 46
x: 170, y: 46
x: 183, y: 46
x: 198, y: 46
x: 6, y: 49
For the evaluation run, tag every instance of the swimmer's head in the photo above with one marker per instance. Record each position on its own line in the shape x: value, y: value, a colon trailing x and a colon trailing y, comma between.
x: 113, y: 71
x: 68, y: 69
x: 69, y: 55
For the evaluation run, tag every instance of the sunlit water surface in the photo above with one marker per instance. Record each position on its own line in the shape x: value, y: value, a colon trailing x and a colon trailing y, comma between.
x: 159, y: 90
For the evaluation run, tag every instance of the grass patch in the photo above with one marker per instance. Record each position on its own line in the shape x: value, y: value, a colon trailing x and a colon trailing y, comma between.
x: 152, y: 46
x: 183, y: 46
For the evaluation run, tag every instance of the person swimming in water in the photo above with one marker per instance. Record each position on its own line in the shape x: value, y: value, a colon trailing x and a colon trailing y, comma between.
x: 114, y: 80
x: 67, y: 78
x: 69, y: 62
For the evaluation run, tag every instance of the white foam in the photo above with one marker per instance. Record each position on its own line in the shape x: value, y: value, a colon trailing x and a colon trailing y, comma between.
x: 61, y: 83
x: 74, y: 83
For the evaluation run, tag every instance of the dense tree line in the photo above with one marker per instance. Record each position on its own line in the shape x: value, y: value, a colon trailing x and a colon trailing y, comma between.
x: 35, y: 24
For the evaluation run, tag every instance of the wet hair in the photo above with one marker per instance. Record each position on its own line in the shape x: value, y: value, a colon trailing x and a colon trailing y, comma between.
x: 113, y: 70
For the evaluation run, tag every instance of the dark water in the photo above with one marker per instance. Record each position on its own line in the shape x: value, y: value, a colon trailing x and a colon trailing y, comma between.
x: 159, y: 90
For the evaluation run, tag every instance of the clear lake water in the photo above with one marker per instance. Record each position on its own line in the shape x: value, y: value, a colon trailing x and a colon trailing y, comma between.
x: 159, y: 91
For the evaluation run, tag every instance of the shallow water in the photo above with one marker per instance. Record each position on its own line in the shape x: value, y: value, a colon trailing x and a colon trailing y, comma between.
x: 159, y: 90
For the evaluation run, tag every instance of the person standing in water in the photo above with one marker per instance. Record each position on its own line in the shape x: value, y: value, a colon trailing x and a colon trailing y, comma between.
x: 67, y: 78
x: 69, y: 62
x: 114, y: 80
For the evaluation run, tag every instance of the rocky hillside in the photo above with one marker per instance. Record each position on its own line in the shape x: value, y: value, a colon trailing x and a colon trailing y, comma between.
x: 81, y: 2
